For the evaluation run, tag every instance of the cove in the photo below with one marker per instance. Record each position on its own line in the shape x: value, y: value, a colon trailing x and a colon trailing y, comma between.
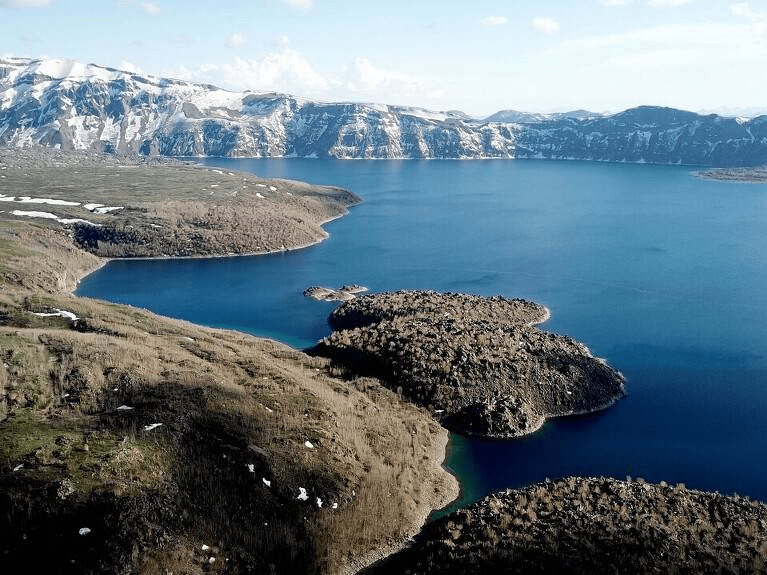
x: 660, y: 272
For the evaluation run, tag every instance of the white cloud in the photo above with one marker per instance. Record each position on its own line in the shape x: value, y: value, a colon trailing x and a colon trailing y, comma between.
x: 363, y: 80
x: 758, y: 19
x: 286, y: 71
x: 613, y: 3
x: 150, y: 8
x: 492, y: 21
x: 236, y: 40
x: 144, y: 5
x: 27, y: 3
x: 546, y: 25
x: 131, y: 68
x: 742, y: 9
x: 298, y: 4
x: 280, y: 42
x: 669, y: 3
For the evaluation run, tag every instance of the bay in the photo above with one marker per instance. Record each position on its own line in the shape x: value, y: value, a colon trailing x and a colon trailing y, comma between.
x: 660, y: 272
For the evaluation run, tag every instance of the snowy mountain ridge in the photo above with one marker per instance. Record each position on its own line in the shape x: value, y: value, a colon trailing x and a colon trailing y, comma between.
x: 85, y: 106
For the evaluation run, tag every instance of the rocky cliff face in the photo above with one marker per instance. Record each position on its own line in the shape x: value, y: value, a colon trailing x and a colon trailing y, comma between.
x: 89, y: 107
x: 649, y: 134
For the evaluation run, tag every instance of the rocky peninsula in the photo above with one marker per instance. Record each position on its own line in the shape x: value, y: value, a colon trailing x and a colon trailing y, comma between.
x: 592, y: 526
x: 478, y: 364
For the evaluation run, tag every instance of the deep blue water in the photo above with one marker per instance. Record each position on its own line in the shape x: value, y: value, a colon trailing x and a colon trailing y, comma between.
x: 660, y: 272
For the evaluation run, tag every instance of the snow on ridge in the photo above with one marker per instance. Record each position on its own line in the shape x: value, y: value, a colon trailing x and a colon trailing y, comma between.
x: 71, y: 69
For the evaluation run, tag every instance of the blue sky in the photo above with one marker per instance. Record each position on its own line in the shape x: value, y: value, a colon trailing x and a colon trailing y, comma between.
x: 478, y: 57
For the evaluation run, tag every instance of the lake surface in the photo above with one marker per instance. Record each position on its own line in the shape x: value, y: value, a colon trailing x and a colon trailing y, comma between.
x: 662, y: 273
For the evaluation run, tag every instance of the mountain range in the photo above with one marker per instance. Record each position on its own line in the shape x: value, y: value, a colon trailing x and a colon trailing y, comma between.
x: 89, y: 107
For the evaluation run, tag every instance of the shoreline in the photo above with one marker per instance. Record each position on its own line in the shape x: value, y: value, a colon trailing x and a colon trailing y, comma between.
x: 452, y: 492
x: 105, y: 260
x: 451, y: 487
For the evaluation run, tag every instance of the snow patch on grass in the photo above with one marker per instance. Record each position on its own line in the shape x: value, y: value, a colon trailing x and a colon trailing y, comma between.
x: 59, y: 313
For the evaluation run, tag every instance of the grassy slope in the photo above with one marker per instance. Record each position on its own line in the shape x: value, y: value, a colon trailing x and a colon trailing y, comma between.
x: 226, y: 401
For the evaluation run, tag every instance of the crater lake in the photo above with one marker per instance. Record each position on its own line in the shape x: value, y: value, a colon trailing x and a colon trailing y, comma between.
x: 661, y: 273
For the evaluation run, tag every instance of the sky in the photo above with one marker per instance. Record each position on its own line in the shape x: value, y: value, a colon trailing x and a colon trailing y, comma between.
x: 478, y: 57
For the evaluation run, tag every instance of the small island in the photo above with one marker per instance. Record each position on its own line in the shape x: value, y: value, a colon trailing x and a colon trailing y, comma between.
x: 344, y: 293
x: 478, y: 364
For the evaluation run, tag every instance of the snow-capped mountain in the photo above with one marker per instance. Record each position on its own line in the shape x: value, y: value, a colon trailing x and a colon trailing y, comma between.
x: 77, y: 106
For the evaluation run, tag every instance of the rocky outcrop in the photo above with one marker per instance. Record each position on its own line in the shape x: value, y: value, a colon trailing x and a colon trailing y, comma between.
x: 478, y: 364
x: 69, y: 105
x: 595, y: 525
x: 344, y: 293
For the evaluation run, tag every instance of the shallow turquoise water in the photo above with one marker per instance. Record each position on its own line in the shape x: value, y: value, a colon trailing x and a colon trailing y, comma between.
x: 660, y: 272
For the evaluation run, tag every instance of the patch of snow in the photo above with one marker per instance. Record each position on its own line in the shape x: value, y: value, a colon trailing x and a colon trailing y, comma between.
x: 59, y: 313
x: 78, y: 221
x: 302, y: 495
x: 29, y: 200
x: 260, y: 185
x: 46, y: 215
x: 266, y: 482
x: 84, y: 531
x: 50, y: 216
x: 335, y: 506
x: 152, y: 426
x: 309, y: 444
x: 18, y: 467
x: 272, y: 189
x: 211, y: 561
x: 251, y: 467
x: 258, y: 195
x: 104, y: 210
x: 205, y: 547
x: 124, y: 408
x: 319, y: 502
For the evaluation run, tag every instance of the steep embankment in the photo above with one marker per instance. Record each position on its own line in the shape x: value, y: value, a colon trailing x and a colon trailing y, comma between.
x: 478, y: 364
x: 132, y: 443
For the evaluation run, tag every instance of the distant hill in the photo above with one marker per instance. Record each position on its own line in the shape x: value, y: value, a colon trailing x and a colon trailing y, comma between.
x: 88, y: 107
